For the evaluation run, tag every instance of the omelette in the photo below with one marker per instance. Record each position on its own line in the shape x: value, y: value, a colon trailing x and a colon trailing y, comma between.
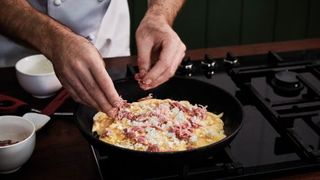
x: 158, y: 125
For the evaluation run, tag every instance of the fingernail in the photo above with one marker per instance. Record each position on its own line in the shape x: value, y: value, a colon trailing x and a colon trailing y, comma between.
x: 148, y: 81
x: 146, y: 88
x: 119, y: 102
x: 137, y: 76
x: 142, y: 73
x: 112, y: 112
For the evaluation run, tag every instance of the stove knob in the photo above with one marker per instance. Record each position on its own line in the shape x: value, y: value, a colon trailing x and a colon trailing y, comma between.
x: 208, y: 63
x: 230, y: 59
x: 286, y: 83
x: 186, y: 67
x: 208, y: 74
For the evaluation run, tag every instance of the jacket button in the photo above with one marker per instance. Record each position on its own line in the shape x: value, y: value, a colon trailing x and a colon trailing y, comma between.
x: 90, y: 37
x: 57, y: 2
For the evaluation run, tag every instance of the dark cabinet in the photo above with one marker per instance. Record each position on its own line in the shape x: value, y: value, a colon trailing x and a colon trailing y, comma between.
x: 212, y: 23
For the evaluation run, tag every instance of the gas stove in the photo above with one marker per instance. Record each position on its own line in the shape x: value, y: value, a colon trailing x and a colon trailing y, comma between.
x: 280, y: 95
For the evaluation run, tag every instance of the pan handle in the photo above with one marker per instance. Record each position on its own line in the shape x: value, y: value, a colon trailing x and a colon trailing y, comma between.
x: 56, y: 103
x: 11, y: 105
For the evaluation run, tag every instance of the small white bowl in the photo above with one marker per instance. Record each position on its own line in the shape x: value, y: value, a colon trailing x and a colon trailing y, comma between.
x: 36, y: 75
x: 13, y: 156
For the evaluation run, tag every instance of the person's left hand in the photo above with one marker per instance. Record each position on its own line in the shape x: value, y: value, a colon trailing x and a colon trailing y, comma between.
x: 155, y: 36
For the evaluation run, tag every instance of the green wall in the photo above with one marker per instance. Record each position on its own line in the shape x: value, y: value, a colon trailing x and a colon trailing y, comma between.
x: 213, y: 23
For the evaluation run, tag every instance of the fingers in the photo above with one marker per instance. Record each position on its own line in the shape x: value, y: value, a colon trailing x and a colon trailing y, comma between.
x: 94, y: 90
x: 157, y: 36
x: 105, y: 83
x: 77, y: 90
x: 72, y: 93
x: 88, y: 86
x: 169, y: 60
x: 144, y: 48
x: 82, y: 72
x: 166, y: 75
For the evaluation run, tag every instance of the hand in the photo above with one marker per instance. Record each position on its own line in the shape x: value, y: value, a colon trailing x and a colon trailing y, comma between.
x: 155, y: 35
x: 77, y: 63
x: 82, y: 72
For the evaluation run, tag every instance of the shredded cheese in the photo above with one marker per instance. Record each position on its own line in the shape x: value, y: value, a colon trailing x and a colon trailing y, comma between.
x: 160, y: 125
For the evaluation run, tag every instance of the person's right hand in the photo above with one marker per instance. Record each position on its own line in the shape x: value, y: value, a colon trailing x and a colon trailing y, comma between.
x: 82, y: 72
x: 76, y: 61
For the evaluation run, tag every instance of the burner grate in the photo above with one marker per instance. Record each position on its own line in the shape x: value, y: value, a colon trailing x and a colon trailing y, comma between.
x: 284, y: 113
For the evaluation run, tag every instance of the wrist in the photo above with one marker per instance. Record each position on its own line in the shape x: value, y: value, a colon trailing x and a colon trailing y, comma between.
x: 164, y: 9
x: 158, y: 15
x: 54, y: 38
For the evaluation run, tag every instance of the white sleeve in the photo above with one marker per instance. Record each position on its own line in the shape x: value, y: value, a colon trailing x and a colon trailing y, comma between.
x: 113, y: 36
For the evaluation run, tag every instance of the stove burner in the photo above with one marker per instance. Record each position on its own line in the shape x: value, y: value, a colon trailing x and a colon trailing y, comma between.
x: 286, y: 83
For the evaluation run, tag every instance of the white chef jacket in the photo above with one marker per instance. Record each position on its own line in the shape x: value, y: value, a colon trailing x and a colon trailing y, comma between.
x: 106, y: 23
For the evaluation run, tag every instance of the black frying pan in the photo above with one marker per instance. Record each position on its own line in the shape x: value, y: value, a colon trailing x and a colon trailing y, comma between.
x: 177, y: 88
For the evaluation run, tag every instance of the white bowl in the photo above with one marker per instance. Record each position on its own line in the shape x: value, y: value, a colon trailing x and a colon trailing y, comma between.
x: 36, y: 75
x: 13, y: 156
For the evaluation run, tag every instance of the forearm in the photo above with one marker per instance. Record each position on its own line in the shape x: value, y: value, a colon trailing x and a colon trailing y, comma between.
x: 167, y: 9
x: 20, y: 20
x: 156, y: 39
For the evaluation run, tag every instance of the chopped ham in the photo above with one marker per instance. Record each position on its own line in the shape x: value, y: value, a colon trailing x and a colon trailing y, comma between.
x: 190, y: 147
x: 179, y: 106
x: 118, y: 111
x: 194, y: 122
x: 129, y: 133
x: 181, y: 133
x: 186, y: 125
x: 141, y: 117
x: 141, y: 140
x: 158, y: 120
x: 105, y: 134
x: 200, y: 112
x: 195, y: 111
x: 137, y: 129
x: 153, y: 148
